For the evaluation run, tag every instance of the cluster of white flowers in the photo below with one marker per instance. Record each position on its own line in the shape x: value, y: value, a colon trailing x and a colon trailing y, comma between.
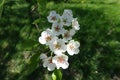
x: 59, y: 40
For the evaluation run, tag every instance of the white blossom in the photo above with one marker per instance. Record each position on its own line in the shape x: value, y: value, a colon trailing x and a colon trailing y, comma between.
x: 59, y: 40
x: 67, y: 35
x: 46, y: 37
x: 73, y: 47
x: 58, y: 46
x: 68, y: 13
x: 57, y: 28
x: 61, y: 61
x: 53, y: 17
x: 75, y: 24
x: 67, y: 17
x: 49, y: 64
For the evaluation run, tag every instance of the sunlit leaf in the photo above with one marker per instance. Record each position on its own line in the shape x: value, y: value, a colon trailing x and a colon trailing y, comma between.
x: 57, y: 75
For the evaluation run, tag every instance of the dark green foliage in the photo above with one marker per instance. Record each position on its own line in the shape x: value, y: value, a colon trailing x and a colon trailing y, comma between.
x: 99, y: 57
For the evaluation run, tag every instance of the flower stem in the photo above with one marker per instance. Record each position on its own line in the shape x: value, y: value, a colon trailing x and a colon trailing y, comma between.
x: 37, y: 27
x: 51, y: 53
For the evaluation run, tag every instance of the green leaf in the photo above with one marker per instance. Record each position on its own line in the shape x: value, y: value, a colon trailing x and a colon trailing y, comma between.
x: 36, y: 21
x: 27, y: 44
x: 34, y: 61
x: 57, y: 75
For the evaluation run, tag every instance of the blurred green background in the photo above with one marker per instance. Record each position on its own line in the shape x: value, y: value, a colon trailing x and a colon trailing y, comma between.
x: 99, y: 36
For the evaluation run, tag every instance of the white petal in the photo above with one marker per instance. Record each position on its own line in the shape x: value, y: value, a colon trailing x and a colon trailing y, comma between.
x: 75, y: 24
x: 65, y: 65
x: 70, y: 52
x: 72, y: 32
x: 65, y: 57
x: 76, y: 51
x: 67, y: 11
x: 43, y: 56
x: 54, y: 59
x: 41, y: 40
x: 43, y: 34
x: 58, y: 52
x: 71, y: 41
x: 45, y: 63
x: 77, y: 44
x: 51, y: 67
x: 58, y: 66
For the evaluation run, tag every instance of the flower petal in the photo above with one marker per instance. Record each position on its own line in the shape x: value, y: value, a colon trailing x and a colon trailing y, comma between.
x: 43, y: 56
x: 65, y: 65
x: 51, y: 67
x: 41, y: 40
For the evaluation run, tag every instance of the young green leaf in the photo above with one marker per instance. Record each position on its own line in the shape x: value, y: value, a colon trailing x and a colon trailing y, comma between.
x: 57, y: 75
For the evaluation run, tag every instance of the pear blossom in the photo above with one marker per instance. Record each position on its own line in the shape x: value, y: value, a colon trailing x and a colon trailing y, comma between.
x: 61, y: 61
x: 46, y: 36
x: 73, y: 47
x: 67, y: 17
x: 66, y: 20
x: 53, y: 17
x: 68, y: 13
x: 75, y: 24
x: 58, y: 46
x: 57, y: 28
x: 49, y: 64
x: 67, y: 35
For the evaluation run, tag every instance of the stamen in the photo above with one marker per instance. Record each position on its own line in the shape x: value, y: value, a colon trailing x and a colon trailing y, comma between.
x: 64, y: 20
x: 57, y: 46
x: 57, y: 28
x: 50, y: 60
x: 53, y: 18
x: 48, y: 38
x: 71, y: 47
x: 66, y: 35
x: 60, y: 59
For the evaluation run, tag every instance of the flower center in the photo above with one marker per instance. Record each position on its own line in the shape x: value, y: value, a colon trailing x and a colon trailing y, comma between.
x: 53, y: 18
x: 57, y: 28
x: 71, y: 47
x: 57, y: 46
x: 66, y: 35
x: 48, y: 38
x: 50, y: 60
x: 60, y: 59
x: 64, y: 20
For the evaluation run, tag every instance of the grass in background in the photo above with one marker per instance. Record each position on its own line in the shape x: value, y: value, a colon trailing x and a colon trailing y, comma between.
x: 99, y: 37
